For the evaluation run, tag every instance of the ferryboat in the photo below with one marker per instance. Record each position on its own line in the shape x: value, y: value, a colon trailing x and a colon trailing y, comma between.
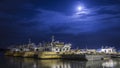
x: 54, y: 50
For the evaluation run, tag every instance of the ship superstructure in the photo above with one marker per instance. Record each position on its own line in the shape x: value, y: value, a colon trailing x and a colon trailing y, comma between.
x: 54, y: 50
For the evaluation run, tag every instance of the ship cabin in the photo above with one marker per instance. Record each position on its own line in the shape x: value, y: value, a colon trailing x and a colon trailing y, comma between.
x: 60, y: 47
x: 14, y: 49
x: 27, y: 47
x: 107, y: 50
x: 89, y: 51
x: 55, y: 46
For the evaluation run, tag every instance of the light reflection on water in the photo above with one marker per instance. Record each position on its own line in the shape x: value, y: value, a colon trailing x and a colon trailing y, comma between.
x: 15, y: 62
x: 109, y: 64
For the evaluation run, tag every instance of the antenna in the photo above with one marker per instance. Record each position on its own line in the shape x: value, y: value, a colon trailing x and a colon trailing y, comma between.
x: 102, y: 47
x: 86, y: 46
x: 29, y: 41
x: 53, y: 39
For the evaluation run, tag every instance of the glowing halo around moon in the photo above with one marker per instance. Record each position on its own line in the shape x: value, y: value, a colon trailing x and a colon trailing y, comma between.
x: 81, y: 10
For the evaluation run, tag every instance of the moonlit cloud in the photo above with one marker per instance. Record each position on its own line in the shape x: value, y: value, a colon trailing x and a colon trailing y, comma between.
x: 97, y: 22
x: 82, y: 23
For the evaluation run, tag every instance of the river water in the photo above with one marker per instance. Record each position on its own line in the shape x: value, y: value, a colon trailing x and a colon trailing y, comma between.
x: 17, y: 62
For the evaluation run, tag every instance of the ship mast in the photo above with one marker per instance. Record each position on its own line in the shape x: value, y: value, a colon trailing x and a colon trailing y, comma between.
x: 29, y: 41
x: 53, y: 39
x: 86, y: 47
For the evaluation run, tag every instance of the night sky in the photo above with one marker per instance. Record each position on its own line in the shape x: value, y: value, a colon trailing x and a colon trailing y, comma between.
x: 83, y: 23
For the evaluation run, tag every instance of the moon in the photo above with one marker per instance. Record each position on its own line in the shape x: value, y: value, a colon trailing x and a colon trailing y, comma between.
x: 79, y: 8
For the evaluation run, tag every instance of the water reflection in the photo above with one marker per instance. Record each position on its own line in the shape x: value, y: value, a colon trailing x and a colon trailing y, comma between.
x: 34, y: 63
x: 109, y: 64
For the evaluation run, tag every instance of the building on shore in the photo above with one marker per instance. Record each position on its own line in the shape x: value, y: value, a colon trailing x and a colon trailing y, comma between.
x: 107, y: 50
